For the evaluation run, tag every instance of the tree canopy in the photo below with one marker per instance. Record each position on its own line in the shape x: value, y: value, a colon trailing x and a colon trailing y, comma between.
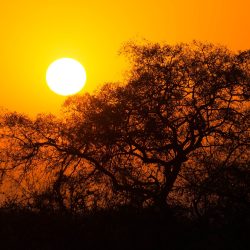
x: 176, y: 132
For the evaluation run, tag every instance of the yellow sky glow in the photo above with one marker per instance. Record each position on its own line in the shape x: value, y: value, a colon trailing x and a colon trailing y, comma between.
x: 36, y: 33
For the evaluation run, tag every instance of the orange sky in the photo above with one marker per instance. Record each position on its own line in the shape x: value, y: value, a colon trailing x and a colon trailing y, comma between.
x: 34, y: 33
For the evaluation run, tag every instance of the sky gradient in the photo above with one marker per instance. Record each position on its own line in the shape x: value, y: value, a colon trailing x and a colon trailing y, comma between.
x: 35, y: 33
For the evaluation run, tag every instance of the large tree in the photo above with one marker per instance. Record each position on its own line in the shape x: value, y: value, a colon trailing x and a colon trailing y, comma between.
x: 180, y: 104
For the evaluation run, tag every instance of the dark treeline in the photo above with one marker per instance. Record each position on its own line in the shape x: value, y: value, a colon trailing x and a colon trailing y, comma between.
x: 171, y: 143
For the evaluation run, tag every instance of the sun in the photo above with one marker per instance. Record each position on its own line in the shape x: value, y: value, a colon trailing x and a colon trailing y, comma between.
x: 66, y: 76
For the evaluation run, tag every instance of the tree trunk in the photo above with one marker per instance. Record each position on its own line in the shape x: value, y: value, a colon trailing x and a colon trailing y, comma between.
x: 171, y: 175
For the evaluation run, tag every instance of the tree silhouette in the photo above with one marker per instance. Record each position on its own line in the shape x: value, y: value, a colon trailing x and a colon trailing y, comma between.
x: 139, y: 142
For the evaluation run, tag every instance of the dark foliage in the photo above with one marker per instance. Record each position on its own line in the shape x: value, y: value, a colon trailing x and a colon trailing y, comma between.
x: 122, y: 229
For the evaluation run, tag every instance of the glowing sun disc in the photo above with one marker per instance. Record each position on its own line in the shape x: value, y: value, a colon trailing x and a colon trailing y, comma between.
x: 66, y: 76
